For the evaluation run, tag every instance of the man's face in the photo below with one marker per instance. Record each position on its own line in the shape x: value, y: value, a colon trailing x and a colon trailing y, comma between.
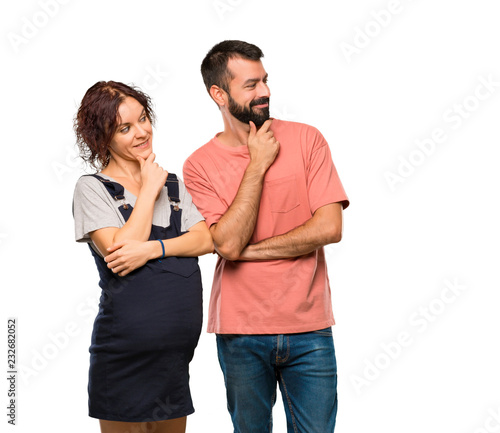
x: 248, y: 97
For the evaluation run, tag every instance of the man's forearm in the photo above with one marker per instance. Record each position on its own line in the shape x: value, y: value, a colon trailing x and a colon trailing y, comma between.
x: 325, y: 227
x: 235, y: 228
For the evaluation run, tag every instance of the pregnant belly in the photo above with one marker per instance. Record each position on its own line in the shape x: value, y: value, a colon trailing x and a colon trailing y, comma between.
x: 149, y: 311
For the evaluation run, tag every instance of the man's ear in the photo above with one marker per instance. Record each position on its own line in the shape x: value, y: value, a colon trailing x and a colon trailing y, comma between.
x: 218, y: 95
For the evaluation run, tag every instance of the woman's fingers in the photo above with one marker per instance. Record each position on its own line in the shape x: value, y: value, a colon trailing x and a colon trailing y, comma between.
x: 114, y: 248
x: 120, y: 270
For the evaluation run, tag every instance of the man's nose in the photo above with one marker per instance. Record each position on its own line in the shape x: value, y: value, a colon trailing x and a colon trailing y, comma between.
x: 263, y: 90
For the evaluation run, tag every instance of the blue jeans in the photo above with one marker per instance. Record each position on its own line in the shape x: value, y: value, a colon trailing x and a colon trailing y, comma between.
x: 303, y: 364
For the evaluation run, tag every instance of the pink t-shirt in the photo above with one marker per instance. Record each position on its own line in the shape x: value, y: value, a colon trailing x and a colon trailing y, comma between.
x: 276, y: 296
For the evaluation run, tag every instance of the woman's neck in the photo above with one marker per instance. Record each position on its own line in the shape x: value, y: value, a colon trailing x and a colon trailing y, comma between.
x: 123, y: 169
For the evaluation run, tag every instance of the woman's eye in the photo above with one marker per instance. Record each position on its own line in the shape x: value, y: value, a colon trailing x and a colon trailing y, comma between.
x: 143, y: 118
x: 124, y: 130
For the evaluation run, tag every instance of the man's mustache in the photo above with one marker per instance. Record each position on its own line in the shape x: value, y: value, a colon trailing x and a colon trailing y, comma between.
x: 259, y: 101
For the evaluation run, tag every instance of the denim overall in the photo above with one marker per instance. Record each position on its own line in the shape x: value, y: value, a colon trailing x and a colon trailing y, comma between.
x: 146, y: 330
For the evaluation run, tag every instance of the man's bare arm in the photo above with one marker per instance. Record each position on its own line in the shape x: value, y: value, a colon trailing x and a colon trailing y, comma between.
x: 234, y: 229
x: 325, y: 227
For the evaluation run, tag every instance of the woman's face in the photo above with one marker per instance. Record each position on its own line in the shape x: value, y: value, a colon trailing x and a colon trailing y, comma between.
x: 134, y: 133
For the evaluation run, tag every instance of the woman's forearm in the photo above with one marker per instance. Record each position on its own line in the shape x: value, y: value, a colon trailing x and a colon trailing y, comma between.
x: 138, y: 226
x: 196, y: 242
x: 128, y: 255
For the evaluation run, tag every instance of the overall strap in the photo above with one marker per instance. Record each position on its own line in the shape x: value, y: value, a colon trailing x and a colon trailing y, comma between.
x: 172, y: 185
x: 118, y: 193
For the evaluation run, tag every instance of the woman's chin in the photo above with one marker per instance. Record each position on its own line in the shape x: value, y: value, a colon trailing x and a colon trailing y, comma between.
x: 144, y: 153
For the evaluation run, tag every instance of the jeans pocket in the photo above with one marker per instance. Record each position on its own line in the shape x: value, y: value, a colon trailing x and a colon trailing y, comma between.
x: 327, y: 332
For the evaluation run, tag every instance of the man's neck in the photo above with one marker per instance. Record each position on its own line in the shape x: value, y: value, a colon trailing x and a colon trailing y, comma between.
x: 235, y: 132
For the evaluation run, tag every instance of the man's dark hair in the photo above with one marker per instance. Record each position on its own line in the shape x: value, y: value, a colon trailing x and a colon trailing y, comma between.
x: 214, y: 66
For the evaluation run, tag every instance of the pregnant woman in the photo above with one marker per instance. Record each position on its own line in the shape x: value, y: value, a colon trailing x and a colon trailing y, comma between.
x: 145, y: 235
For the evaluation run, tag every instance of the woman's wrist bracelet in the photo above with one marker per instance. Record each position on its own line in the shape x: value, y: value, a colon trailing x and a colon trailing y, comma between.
x: 162, y: 249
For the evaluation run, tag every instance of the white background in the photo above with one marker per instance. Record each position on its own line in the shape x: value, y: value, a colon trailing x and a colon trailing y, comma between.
x: 412, y: 355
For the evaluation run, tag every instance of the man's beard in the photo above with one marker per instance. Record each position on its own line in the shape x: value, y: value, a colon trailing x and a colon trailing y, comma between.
x: 245, y: 115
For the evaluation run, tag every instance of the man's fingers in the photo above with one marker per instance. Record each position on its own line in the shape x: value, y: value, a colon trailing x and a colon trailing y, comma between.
x: 253, y: 129
x: 265, y: 126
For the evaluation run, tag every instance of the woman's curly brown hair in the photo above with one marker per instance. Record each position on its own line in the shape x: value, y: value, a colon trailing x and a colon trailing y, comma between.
x: 97, y: 118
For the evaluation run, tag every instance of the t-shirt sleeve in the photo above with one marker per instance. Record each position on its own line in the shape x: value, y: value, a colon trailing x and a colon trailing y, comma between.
x: 323, y: 182
x: 204, y: 196
x: 92, y: 209
x: 190, y: 214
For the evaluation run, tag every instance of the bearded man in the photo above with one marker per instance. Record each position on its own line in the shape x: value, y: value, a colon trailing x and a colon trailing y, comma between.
x: 272, y: 199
